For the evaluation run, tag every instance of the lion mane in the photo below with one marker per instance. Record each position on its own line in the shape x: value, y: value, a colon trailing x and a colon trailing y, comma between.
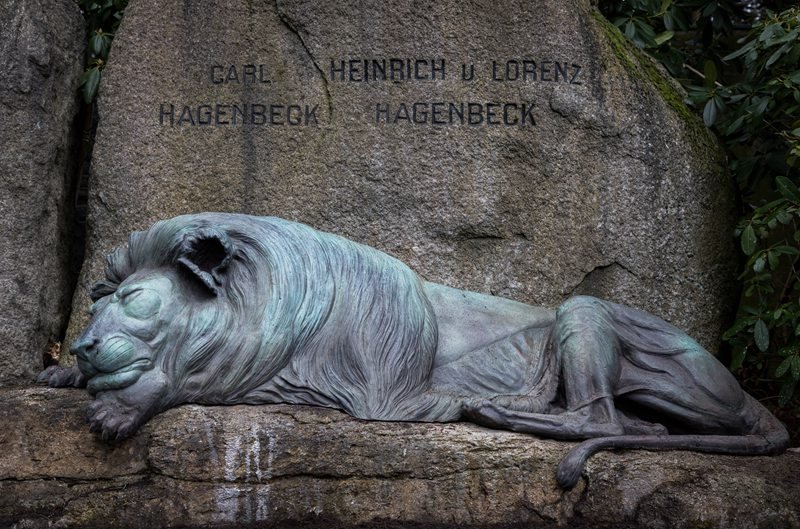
x: 280, y: 312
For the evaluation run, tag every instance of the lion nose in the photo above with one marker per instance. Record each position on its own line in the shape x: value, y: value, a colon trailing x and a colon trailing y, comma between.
x: 83, y: 347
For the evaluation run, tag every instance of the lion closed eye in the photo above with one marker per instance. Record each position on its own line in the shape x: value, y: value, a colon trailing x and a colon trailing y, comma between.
x: 125, y: 332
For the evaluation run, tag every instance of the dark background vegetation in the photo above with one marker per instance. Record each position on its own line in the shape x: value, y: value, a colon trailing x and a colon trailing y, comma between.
x: 739, y: 62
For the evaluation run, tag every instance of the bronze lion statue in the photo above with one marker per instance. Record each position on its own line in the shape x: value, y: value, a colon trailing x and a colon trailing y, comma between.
x: 221, y: 308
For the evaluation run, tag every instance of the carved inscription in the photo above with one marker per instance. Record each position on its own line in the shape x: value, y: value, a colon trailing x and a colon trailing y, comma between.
x: 238, y: 114
x: 406, y: 70
x: 395, y: 70
x: 244, y: 74
x: 461, y: 113
x: 452, y: 113
x: 376, y: 70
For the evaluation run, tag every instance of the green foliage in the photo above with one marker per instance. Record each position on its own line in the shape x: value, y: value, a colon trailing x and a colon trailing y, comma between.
x: 758, y: 120
x: 748, y: 91
x: 679, y: 33
x: 102, y: 18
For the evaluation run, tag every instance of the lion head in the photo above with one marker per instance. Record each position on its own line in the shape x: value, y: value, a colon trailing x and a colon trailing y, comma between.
x: 128, y: 327
x: 233, y: 308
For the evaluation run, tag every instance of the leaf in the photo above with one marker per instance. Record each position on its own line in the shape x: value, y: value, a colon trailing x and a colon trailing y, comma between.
x: 710, y: 73
x: 787, y: 250
x: 749, y: 240
x: 710, y: 113
x: 784, y: 366
x: 775, y: 56
x: 774, y: 260
x: 719, y: 102
x: 786, y: 393
x: 90, y: 87
x: 738, y: 326
x: 698, y: 95
x: 760, y: 106
x: 761, y: 335
x: 630, y: 30
x: 769, y: 32
x: 788, y: 37
x: 663, y: 37
x: 758, y: 266
x: 96, y: 44
x: 734, y: 126
x: 796, y: 367
x: 784, y: 217
x: 741, y: 51
x: 787, y: 188
x: 738, y: 358
x: 669, y: 22
x: 710, y: 9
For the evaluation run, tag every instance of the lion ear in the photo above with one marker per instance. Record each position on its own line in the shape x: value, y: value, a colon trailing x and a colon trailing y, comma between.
x: 206, y: 253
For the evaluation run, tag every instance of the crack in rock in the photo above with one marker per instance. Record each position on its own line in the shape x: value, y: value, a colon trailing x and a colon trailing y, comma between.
x: 284, y: 18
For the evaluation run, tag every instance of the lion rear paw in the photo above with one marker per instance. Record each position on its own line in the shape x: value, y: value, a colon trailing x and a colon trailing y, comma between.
x: 112, y: 420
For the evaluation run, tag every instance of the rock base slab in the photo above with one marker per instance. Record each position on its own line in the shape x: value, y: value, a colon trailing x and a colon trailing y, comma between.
x: 292, y: 466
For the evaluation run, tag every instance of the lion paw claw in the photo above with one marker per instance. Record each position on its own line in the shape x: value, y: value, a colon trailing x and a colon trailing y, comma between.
x: 111, y: 421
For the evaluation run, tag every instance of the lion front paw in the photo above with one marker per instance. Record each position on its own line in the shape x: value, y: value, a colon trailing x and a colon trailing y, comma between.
x: 112, y: 420
x: 62, y: 377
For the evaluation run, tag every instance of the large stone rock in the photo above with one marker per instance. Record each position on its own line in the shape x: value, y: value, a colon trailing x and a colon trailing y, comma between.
x: 582, y: 170
x: 41, y: 60
x: 291, y: 466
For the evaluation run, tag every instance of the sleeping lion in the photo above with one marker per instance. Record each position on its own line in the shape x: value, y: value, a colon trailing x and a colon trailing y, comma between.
x: 219, y: 308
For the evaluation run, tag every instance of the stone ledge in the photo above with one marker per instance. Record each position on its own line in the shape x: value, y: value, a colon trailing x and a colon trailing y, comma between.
x: 292, y: 466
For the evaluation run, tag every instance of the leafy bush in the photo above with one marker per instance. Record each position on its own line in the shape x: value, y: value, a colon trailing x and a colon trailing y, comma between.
x: 760, y: 124
x: 748, y: 91
x: 102, y: 18
x: 681, y: 34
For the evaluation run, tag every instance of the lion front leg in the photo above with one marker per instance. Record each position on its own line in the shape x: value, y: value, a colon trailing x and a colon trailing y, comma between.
x: 117, y: 413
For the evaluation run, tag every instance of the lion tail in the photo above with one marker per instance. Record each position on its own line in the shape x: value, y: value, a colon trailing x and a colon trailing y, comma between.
x: 768, y: 437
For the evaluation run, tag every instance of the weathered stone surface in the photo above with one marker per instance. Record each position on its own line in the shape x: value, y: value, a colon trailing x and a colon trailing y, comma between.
x: 41, y: 59
x: 250, y: 466
x: 616, y: 190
